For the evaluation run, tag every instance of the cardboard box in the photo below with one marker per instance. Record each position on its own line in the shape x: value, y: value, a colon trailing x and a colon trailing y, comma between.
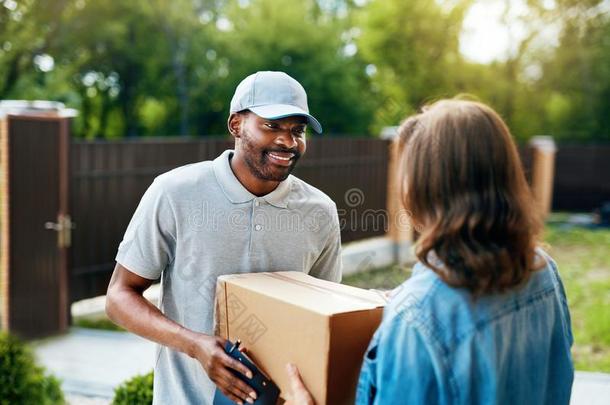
x: 322, y: 327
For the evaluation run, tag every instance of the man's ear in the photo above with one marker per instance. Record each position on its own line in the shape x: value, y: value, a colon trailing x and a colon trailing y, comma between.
x: 234, y: 124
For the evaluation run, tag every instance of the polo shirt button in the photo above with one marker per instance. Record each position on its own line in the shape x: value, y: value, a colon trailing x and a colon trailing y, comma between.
x: 258, y: 227
x: 257, y: 203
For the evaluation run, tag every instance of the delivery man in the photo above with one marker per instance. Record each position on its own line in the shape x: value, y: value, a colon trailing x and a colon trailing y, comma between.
x: 242, y: 212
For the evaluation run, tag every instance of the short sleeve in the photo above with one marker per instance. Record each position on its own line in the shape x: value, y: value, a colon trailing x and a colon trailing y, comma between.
x: 328, y: 266
x: 150, y: 239
x: 398, y: 368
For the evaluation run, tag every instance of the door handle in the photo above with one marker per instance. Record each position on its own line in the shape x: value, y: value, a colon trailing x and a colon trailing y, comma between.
x: 53, y: 226
x: 63, y: 227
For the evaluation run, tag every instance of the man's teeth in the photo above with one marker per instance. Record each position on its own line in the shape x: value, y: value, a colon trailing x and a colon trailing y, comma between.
x: 273, y: 155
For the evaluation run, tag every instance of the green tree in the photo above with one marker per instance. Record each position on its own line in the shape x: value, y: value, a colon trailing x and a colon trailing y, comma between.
x: 413, y: 45
x: 314, y: 46
x: 170, y: 68
x: 110, y: 46
x: 577, y: 75
x: 28, y: 28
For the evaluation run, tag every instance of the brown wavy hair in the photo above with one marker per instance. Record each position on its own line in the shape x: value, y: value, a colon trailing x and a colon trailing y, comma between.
x: 463, y: 182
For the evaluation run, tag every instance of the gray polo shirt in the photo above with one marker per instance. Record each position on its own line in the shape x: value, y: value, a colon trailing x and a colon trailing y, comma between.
x: 198, y: 222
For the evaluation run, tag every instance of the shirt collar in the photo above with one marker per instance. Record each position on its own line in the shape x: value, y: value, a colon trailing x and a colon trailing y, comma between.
x: 237, y: 193
x: 279, y: 197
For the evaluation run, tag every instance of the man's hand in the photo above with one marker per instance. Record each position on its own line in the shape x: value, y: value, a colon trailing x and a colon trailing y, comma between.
x: 126, y: 306
x: 209, y: 351
x: 299, y: 394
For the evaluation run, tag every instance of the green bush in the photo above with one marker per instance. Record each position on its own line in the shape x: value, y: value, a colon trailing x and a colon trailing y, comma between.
x: 136, y: 391
x: 22, y: 381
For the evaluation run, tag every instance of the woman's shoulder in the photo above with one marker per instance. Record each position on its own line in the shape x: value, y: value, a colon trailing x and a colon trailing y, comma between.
x: 425, y: 289
x: 425, y: 302
x: 422, y: 292
x: 415, y: 291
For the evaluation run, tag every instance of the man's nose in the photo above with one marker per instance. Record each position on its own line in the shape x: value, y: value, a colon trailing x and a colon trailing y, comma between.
x: 286, y: 139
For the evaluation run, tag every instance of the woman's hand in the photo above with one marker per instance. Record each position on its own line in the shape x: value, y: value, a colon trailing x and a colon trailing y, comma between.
x: 386, y: 294
x: 299, y: 394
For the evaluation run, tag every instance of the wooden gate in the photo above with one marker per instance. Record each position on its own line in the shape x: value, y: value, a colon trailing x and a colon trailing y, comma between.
x: 35, y: 225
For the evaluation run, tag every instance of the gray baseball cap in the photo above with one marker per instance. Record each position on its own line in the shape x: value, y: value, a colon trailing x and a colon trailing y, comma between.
x: 273, y: 95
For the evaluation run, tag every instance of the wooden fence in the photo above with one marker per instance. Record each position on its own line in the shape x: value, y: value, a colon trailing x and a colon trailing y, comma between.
x: 103, y: 182
x: 109, y: 178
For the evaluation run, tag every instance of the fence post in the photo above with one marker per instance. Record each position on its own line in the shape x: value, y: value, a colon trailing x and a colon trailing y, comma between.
x: 400, y: 230
x: 543, y: 172
x: 4, y: 225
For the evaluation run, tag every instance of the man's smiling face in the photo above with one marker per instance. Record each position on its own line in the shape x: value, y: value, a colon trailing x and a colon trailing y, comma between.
x: 271, y: 148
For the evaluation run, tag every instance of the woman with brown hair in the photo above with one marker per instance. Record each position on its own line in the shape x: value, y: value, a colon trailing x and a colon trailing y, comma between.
x: 484, y: 317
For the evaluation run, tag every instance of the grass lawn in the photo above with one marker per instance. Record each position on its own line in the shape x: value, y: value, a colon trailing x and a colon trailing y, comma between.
x: 97, y: 323
x: 583, y: 257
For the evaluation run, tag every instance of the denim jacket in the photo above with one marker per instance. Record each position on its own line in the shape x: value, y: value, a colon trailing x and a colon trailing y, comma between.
x: 436, y: 345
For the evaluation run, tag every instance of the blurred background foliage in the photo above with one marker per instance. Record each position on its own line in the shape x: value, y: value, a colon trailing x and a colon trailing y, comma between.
x: 153, y: 67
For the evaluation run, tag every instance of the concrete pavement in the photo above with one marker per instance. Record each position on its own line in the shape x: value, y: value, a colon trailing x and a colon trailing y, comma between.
x: 94, y: 362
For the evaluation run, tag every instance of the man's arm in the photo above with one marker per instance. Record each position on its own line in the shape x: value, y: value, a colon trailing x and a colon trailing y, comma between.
x: 126, y: 306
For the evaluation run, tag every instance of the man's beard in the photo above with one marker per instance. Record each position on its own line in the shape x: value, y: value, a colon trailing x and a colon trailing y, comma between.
x: 257, y: 161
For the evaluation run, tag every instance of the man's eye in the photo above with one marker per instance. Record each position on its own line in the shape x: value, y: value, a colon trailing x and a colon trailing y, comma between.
x: 299, y: 131
x: 271, y: 125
